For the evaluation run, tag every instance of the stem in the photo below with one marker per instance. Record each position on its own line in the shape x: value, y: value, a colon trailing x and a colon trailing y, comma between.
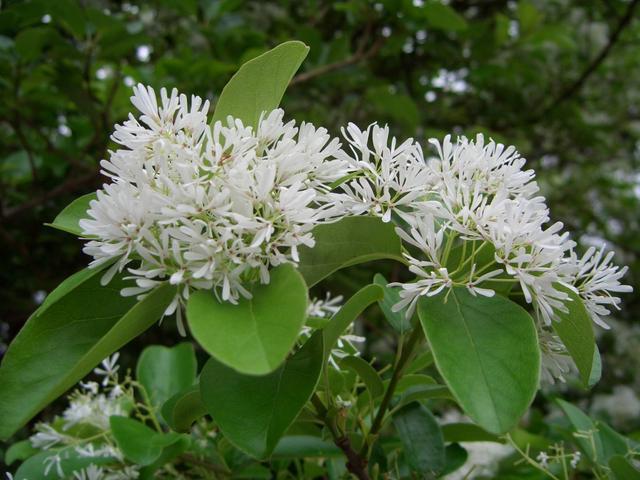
x: 407, y: 351
x: 356, y: 463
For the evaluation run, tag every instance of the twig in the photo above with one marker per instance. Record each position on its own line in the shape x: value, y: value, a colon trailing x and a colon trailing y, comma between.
x: 356, y: 463
x: 360, y: 55
x: 405, y: 356
x: 575, y: 87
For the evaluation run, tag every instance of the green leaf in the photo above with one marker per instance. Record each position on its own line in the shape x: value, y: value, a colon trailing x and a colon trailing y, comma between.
x: 254, y: 412
x: 62, y: 343
x: 366, y: 372
x: 575, y: 329
x: 423, y: 392
x: 443, y: 17
x: 165, y: 372
x: 348, y: 313
x: 348, y: 242
x: 423, y: 444
x: 486, y: 349
x: 398, y: 320
x: 596, y: 369
x: 258, y: 86
x: 467, y: 432
x: 71, y: 461
x: 597, y: 440
x: 69, y: 218
x: 622, y: 468
x: 139, y: 443
x: 254, y: 336
x: 305, y: 446
x: 19, y: 451
x: 184, y: 408
x: 455, y: 456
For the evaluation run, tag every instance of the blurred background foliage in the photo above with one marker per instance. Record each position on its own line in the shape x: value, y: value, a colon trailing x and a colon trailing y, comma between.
x: 556, y: 78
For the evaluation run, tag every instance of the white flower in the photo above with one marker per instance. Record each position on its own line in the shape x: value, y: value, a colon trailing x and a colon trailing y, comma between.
x: 595, y: 279
x: 388, y: 177
x: 108, y: 369
x: 575, y: 459
x: 47, y: 437
x: 556, y: 363
x: 53, y: 462
x: 543, y: 459
x: 209, y: 208
x: 326, y: 307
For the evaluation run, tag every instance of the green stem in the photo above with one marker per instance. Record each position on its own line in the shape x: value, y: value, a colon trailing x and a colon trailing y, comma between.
x: 405, y: 356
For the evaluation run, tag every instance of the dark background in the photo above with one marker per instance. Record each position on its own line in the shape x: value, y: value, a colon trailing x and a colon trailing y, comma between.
x: 559, y: 79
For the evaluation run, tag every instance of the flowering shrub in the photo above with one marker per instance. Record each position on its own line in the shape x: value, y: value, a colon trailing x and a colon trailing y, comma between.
x: 231, y: 221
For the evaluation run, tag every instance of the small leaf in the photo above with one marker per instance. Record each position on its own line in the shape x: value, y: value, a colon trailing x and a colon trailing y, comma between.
x: 575, y: 329
x: 398, y: 320
x: 443, y: 17
x: 69, y: 218
x: 258, y: 86
x: 19, y: 451
x: 184, y: 408
x: 467, y: 432
x: 165, y: 372
x: 139, y: 443
x: 348, y: 313
x: 423, y: 445
x: 71, y: 461
x: 455, y: 457
x: 596, y: 369
x: 254, y: 412
x: 486, y: 349
x: 366, y: 372
x: 254, y: 336
x: 61, y: 344
x: 622, y: 468
x: 305, y: 446
x: 348, y: 242
x: 597, y: 440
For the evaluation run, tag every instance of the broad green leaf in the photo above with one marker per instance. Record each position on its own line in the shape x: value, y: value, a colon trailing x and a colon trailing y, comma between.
x: 19, y: 451
x: 184, y: 408
x: 165, y: 372
x: 423, y: 445
x: 486, y: 349
x: 366, y: 372
x: 348, y: 242
x: 68, y: 219
x: 139, y: 443
x: 258, y: 86
x: 575, y: 329
x: 398, y: 320
x: 61, y: 344
x: 254, y: 336
x: 305, y: 446
x: 348, y: 313
x: 467, y: 432
x: 443, y: 17
x: 71, y: 461
x: 622, y: 468
x: 422, y: 361
x: 254, y: 412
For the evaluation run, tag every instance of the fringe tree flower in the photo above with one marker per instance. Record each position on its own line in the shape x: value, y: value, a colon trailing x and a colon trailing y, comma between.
x: 211, y: 208
x: 484, y: 224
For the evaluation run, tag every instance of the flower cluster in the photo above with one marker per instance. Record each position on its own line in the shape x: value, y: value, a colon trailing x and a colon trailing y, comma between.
x: 215, y: 207
x: 83, y: 430
x: 208, y: 208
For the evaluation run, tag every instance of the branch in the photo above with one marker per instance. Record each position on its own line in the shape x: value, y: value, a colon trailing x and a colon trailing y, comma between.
x: 360, y: 55
x: 405, y: 356
x: 69, y: 186
x: 575, y: 87
x: 356, y: 463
